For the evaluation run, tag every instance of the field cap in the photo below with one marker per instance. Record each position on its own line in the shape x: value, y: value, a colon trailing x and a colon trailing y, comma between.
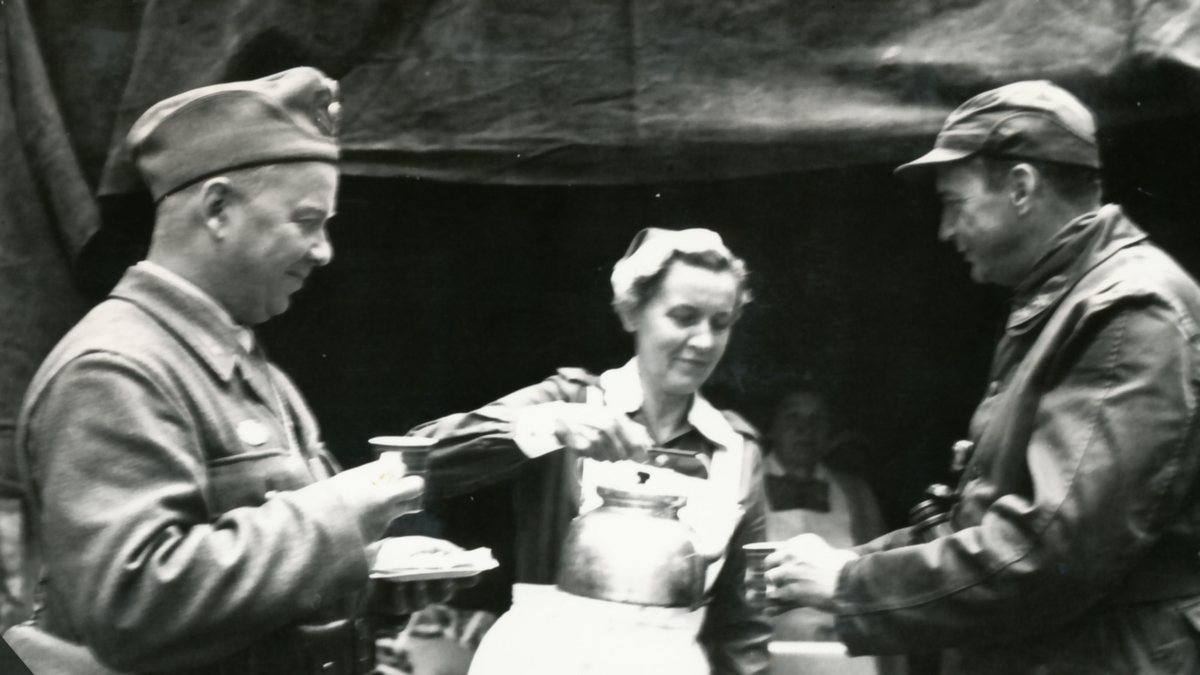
x: 1025, y: 120
x: 286, y: 117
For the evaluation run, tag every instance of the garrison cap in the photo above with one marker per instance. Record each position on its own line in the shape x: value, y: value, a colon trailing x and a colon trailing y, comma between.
x: 1024, y: 120
x: 286, y: 117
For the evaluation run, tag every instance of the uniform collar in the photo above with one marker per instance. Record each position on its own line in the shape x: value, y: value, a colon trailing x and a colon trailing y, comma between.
x: 623, y: 391
x: 245, y: 336
x: 1075, y: 250
x: 190, y: 318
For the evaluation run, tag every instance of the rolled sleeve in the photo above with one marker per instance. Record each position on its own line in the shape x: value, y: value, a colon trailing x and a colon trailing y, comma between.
x: 485, y: 446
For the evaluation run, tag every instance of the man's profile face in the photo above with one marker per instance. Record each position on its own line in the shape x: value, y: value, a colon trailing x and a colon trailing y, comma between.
x: 981, y: 224
x: 278, y: 236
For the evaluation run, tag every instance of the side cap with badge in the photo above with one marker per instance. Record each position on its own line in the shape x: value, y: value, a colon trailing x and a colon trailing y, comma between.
x: 287, y: 117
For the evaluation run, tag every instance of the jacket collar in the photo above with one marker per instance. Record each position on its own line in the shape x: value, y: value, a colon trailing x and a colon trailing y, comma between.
x: 189, y: 318
x: 623, y: 391
x: 1075, y: 250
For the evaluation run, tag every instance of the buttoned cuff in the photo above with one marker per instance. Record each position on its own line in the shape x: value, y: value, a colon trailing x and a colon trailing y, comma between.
x: 533, y: 429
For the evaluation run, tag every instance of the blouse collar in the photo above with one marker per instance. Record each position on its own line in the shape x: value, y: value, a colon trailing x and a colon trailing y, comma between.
x: 623, y: 391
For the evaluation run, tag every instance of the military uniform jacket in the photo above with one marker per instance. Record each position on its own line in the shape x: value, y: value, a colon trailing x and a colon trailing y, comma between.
x: 178, y: 526
x: 1076, y: 539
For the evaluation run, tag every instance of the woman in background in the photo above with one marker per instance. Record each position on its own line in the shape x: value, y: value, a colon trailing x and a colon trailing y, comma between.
x: 679, y: 293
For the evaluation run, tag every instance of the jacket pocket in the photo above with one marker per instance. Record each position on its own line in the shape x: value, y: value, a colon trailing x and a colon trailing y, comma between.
x: 249, y: 479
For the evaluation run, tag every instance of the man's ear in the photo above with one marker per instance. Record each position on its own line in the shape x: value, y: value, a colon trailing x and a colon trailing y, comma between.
x: 1023, y: 181
x: 628, y: 319
x: 215, y: 202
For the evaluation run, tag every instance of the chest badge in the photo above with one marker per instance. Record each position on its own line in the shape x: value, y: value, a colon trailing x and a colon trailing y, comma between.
x: 253, y: 432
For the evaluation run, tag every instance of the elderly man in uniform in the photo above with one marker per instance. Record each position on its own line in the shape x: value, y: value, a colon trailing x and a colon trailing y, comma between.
x: 188, y: 516
x: 1074, y: 544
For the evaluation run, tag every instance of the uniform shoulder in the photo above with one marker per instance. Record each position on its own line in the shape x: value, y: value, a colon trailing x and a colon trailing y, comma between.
x: 740, y: 424
x: 1141, y: 272
x: 114, y: 323
x: 113, y: 327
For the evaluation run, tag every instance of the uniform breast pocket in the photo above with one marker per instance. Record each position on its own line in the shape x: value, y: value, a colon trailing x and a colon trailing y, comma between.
x: 247, y: 479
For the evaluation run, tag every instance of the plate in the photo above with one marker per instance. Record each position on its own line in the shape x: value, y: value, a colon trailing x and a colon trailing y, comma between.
x: 403, y: 441
x: 430, y: 575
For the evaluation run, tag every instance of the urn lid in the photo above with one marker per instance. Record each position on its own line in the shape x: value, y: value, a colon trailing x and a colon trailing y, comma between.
x: 641, y: 497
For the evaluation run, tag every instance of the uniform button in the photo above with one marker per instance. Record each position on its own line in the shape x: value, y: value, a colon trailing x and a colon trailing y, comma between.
x: 993, y: 388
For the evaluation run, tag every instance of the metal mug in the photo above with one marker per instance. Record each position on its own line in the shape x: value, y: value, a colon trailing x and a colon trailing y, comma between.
x: 408, y: 455
x: 756, y: 579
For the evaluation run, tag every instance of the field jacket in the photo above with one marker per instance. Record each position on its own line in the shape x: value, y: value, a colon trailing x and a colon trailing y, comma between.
x: 180, y: 529
x: 1079, y: 523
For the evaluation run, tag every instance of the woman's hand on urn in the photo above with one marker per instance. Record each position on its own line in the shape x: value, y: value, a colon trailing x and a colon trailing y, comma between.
x: 590, y: 430
x: 601, y: 433
x: 804, y: 572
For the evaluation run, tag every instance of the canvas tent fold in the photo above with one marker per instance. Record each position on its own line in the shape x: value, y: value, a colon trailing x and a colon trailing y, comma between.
x: 620, y: 91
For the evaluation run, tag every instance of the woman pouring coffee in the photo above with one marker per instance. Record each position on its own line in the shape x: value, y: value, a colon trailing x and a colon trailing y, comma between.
x: 679, y: 293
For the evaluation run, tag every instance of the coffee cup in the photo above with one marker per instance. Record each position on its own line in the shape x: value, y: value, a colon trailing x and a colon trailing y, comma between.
x: 410, y: 453
x: 406, y: 456
x: 756, y: 580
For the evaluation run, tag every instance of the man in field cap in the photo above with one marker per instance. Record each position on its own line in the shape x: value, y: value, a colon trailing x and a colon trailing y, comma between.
x: 188, y: 515
x: 1076, y: 524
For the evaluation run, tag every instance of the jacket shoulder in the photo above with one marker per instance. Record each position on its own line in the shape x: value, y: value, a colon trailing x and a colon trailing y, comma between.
x: 741, y: 425
x: 1139, y: 273
x: 115, y: 326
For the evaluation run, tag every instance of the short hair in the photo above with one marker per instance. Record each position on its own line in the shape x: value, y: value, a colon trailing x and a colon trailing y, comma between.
x: 638, y: 278
x: 249, y: 180
x: 170, y: 209
x: 1072, y: 182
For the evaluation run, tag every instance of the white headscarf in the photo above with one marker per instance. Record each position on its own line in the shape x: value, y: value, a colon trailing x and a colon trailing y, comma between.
x: 652, y: 248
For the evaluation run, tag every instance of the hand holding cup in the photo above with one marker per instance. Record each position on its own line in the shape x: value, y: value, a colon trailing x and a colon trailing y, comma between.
x: 804, y: 572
